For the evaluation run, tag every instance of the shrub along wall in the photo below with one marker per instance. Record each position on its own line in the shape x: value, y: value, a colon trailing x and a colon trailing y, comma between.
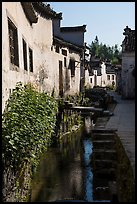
x: 27, y: 126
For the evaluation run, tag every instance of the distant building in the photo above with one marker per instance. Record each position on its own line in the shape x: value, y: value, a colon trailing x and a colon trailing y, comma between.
x: 67, y: 58
x: 128, y: 64
x: 86, y: 60
x: 73, y: 36
x: 101, y: 73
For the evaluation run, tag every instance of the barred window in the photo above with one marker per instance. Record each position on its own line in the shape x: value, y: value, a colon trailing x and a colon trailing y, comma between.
x: 13, y: 43
x: 65, y: 62
x: 64, y: 52
x: 72, y: 67
x: 30, y: 60
x: 108, y: 77
x: 57, y: 48
x: 25, y: 54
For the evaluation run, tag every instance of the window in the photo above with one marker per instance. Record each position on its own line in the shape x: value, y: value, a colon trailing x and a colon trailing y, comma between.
x: 91, y: 80
x: 57, y: 48
x: 13, y: 43
x: 65, y: 62
x: 64, y: 52
x: 72, y: 67
x: 24, y: 54
x: 112, y: 77
x: 108, y: 77
x: 30, y: 60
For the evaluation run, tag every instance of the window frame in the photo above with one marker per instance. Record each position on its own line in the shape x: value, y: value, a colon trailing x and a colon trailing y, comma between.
x: 72, y: 67
x: 65, y: 62
x: 25, y: 55
x: 57, y: 49
x: 30, y: 59
x: 113, y: 77
x: 64, y: 52
x: 13, y: 43
x: 108, y: 77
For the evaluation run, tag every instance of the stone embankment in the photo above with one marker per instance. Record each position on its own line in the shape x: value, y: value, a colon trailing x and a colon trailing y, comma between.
x: 114, y: 151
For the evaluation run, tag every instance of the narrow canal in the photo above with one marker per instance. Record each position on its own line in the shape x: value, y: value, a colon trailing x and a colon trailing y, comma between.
x: 65, y: 171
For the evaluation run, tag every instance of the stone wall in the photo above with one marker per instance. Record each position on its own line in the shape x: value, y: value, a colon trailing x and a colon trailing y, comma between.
x: 128, y: 80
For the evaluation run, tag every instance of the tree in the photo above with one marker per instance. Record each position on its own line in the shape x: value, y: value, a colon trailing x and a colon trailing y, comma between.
x: 104, y: 51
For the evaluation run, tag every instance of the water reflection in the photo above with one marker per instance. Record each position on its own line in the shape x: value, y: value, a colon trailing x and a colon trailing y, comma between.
x: 88, y: 182
x: 60, y: 174
x: 65, y: 171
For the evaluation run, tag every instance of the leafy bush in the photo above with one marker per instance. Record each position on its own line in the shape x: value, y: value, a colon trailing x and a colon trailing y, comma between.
x: 27, y: 125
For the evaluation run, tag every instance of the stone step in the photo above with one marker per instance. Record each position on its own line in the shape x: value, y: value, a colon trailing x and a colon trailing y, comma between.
x: 102, y: 194
x: 105, y: 163
x: 109, y: 173
x: 103, y: 136
x: 102, y: 130
x: 101, y: 189
x: 104, y: 144
x: 104, y: 154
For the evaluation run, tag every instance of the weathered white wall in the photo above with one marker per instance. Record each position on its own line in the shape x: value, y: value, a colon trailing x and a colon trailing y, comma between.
x: 128, y: 81
x: 75, y: 80
x: 73, y: 86
x: 38, y: 37
x: 103, y: 77
x: 87, y: 78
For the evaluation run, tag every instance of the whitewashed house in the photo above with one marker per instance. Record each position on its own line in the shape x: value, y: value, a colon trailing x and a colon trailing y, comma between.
x: 128, y: 64
x: 67, y: 58
x: 26, y: 46
x: 36, y: 49
x: 101, y: 73
x: 73, y: 39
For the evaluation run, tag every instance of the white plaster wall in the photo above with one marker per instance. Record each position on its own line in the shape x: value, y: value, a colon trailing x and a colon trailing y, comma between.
x: 98, y: 80
x: 38, y: 37
x: 109, y: 82
x: 74, y: 82
x: 86, y: 77
x: 103, y: 77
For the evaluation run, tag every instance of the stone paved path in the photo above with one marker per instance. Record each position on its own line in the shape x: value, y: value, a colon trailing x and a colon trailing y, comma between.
x: 124, y: 121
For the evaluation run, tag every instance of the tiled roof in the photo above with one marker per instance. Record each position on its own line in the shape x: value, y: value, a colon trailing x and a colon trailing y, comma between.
x: 128, y: 44
x: 63, y: 43
x: 45, y: 11
x: 29, y: 12
x: 71, y: 29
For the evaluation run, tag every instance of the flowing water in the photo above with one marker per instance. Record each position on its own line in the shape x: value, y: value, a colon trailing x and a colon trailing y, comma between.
x: 65, y: 171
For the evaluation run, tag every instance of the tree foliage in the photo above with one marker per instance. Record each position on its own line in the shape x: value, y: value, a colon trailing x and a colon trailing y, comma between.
x: 27, y: 125
x: 105, y: 52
